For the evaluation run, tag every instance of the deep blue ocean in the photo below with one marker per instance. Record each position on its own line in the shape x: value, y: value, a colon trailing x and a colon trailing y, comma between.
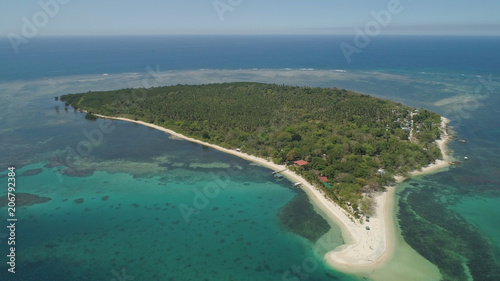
x: 53, y: 57
x: 120, y: 216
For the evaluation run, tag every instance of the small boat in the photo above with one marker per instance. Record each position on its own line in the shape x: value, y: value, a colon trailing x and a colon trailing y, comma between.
x: 297, y: 184
x: 462, y: 141
x: 466, y: 158
x: 278, y: 176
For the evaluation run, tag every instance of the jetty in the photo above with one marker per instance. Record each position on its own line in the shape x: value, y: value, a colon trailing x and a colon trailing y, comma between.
x: 273, y: 173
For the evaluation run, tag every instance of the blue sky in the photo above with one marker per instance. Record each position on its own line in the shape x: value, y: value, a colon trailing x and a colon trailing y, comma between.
x: 123, y: 17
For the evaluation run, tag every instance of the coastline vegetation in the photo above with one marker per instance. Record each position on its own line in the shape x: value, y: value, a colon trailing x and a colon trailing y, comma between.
x: 90, y: 116
x: 358, y: 142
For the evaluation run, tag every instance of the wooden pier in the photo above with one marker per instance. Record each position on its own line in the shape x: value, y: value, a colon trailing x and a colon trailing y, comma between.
x: 273, y: 173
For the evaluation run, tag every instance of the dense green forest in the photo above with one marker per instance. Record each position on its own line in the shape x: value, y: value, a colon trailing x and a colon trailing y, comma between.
x: 357, y: 141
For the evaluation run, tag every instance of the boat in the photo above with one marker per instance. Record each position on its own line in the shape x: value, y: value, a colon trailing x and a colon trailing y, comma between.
x: 297, y: 184
x: 462, y: 141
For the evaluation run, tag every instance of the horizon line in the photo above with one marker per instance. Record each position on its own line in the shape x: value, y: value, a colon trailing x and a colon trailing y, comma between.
x: 260, y: 34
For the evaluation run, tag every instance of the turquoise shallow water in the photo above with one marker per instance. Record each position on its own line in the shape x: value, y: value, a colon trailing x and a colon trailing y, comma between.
x: 136, y: 224
x: 484, y: 215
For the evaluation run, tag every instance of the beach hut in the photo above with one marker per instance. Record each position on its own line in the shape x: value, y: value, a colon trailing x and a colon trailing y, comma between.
x: 300, y: 162
x: 237, y: 149
x: 323, y: 179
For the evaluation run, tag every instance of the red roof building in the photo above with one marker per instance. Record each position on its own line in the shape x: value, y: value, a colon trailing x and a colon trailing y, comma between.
x: 300, y: 162
x: 323, y: 179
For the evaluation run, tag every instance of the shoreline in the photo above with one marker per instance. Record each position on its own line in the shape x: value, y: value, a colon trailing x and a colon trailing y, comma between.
x: 364, y: 250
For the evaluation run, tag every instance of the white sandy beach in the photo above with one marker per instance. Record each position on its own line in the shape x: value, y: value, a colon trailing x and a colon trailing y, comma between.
x: 371, y: 249
x: 364, y: 249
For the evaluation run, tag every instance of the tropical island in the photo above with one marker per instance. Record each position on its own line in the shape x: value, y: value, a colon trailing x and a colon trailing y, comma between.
x: 345, y: 148
x: 345, y: 143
